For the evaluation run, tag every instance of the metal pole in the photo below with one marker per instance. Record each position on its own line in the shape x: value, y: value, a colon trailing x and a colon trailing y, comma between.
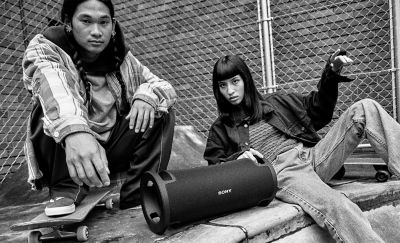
x: 271, y: 46
x: 396, y: 53
x: 260, y: 33
x: 23, y: 23
x: 267, y: 46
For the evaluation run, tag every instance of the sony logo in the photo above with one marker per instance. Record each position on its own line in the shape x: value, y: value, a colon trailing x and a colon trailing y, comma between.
x: 222, y: 192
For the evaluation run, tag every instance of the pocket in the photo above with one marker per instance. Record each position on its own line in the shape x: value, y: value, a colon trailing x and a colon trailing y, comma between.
x: 303, y: 153
x: 285, y: 159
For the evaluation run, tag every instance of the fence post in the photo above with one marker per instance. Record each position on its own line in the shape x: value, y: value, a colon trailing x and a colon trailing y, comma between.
x: 396, y: 53
x: 267, y: 45
x: 23, y: 23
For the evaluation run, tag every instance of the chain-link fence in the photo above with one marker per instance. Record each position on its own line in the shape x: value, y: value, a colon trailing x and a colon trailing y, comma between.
x: 305, y: 33
x: 180, y: 40
x: 19, y: 21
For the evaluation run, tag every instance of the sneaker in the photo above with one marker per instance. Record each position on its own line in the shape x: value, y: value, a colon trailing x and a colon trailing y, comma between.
x: 59, y: 206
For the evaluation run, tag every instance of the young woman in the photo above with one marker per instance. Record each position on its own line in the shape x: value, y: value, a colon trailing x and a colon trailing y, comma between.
x: 97, y: 109
x: 282, y: 129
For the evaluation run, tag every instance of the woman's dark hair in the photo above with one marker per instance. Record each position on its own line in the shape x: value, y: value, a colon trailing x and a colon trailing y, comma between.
x: 117, y: 43
x: 227, y: 67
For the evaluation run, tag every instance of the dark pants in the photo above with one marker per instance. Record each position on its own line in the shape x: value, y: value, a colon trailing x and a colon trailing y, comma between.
x: 126, y: 150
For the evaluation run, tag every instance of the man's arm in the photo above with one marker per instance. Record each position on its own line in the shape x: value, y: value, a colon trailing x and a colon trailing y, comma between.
x: 86, y: 160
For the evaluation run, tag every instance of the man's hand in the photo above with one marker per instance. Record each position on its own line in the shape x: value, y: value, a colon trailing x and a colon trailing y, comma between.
x: 141, y: 115
x: 338, y: 60
x: 251, y: 154
x: 86, y: 160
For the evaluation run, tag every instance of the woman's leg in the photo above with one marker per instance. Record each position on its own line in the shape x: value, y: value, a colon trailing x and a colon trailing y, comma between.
x: 299, y: 184
x: 137, y: 153
x: 365, y: 118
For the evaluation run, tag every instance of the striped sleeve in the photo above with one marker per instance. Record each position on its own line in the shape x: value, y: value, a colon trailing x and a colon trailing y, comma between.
x: 50, y: 75
x: 146, y: 86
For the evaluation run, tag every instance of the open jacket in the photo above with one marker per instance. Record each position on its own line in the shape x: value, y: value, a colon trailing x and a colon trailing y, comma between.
x: 51, y: 76
x: 296, y: 115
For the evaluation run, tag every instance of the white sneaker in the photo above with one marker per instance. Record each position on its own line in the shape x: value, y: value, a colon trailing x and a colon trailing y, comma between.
x: 60, y: 206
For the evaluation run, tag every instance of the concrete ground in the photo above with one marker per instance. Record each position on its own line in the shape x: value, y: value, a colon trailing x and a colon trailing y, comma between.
x: 278, y: 222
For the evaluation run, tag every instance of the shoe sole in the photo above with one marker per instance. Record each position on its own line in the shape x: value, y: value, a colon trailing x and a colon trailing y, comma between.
x: 59, y: 210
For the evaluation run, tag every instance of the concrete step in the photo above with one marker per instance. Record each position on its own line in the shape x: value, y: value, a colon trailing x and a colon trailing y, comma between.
x: 278, y: 222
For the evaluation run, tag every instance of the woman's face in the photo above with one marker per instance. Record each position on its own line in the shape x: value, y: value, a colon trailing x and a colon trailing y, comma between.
x: 92, y: 26
x: 232, y: 89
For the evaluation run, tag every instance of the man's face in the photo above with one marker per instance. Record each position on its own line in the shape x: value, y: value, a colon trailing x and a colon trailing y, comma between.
x: 92, y: 27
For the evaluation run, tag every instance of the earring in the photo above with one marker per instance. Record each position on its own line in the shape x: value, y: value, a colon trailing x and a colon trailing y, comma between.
x: 68, y: 28
x: 113, y: 33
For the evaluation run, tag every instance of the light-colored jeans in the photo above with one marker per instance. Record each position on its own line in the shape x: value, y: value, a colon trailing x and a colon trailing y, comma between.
x: 302, y: 172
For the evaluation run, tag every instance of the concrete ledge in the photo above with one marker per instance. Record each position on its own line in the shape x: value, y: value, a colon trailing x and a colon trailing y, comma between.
x: 370, y: 194
x: 280, y: 219
x: 273, y: 221
x: 278, y: 222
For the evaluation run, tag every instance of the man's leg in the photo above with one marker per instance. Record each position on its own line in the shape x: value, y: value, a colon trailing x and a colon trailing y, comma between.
x: 137, y: 153
x: 51, y: 160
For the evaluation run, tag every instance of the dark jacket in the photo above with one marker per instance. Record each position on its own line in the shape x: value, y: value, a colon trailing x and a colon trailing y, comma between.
x: 296, y: 115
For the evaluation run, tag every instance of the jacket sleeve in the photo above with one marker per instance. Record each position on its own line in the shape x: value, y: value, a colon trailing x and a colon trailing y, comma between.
x: 48, y: 75
x: 146, y: 86
x: 215, y: 151
x: 320, y: 104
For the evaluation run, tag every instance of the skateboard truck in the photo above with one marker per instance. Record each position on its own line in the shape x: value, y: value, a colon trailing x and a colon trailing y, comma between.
x: 81, y: 234
x: 361, y: 156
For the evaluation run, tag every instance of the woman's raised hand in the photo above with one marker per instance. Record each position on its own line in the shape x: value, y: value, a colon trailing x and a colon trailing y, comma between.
x: 338, y: 60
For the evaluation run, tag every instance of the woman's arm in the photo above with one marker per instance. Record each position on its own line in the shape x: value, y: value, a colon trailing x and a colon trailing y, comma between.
x: 218, y: 148
x: 320, y: 104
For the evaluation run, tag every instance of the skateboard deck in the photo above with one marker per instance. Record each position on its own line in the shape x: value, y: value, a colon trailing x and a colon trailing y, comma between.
x: 82, y: 210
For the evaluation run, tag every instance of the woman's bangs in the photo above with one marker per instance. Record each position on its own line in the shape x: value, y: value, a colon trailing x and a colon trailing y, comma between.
x: 225, y: 71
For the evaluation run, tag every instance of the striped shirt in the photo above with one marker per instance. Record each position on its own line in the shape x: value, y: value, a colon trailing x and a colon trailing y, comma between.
x: 51, y: 76
x: 269, y: 141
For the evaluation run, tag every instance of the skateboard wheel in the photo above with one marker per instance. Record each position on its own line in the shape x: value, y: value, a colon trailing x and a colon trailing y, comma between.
x: 34, y: 237
x: 382, y: 175
x: 82, y: 233
x: 109, y: 203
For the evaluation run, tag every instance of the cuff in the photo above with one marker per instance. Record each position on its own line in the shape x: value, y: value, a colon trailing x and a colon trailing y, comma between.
x: 59, y: 136
x: 331, y: 75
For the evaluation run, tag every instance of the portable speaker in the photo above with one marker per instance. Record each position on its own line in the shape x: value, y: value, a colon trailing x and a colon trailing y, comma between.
x: 179, y: 196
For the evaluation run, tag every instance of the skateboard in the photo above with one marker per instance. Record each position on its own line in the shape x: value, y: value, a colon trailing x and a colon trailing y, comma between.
x: 58, y: 224
x: 365, y: 155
